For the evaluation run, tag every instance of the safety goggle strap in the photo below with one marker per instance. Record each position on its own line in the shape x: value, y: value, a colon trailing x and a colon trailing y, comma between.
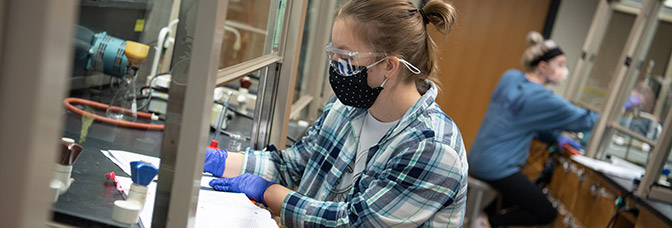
x: 410, y: 66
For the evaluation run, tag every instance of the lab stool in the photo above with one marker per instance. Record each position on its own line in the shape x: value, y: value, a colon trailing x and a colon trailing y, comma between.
x: 479, y: 195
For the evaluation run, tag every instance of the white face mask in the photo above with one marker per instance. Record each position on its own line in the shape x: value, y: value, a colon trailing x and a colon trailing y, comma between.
x: 558, y: 76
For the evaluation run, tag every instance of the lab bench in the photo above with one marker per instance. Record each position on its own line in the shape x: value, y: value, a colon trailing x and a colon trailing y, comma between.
x: 586, y: 198
x: 89, y: 200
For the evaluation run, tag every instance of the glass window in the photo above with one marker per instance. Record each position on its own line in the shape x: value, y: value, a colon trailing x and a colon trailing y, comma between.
x: 592, y: 92
x: 312, y: 74
x: 114, y: 43
x: 644, y: 108
x: 240, y: 96
x: 639, y: 121
x: 252, y: 30
x: 629, y: 148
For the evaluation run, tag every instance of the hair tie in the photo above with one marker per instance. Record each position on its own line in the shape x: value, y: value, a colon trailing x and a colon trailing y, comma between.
x: 424, y: 16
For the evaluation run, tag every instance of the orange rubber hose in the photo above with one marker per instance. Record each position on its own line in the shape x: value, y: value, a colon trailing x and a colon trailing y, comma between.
x: 71, y: 100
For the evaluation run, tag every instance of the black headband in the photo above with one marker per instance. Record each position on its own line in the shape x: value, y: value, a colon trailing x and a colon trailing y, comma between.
x: 550, y: 54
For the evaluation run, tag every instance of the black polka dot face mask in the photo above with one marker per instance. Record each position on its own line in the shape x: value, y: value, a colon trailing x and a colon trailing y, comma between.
x: 354, y: 90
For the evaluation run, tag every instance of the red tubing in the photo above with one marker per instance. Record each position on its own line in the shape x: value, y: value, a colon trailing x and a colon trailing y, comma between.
x: 71, y: 100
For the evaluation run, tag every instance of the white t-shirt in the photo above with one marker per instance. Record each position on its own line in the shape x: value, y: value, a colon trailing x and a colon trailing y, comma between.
x: 372, y: 131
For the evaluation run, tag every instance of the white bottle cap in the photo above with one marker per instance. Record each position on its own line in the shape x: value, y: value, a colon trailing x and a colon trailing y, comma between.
x: 126, y: 212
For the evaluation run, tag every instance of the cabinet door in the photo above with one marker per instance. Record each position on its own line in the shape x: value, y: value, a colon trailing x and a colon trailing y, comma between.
x: 646, y: 219
x: 603, y: 209
x: 570, y: 187
x: 586, y: 196
x: 560, y: 173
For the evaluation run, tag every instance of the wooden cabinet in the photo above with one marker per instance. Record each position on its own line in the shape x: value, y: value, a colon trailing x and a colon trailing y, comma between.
x: 647, y: 219
x: 586, y: 199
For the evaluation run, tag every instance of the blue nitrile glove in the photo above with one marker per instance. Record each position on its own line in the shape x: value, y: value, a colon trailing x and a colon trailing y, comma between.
x: 253, y: 186
x: 632, y: 102
x: 562, y: 140
x: 215, y: 161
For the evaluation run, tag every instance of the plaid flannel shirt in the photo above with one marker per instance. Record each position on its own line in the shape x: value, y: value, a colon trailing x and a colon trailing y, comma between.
x: 416, y: 175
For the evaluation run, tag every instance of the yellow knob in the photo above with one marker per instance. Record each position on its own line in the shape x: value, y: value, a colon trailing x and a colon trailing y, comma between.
x: 136, y: 52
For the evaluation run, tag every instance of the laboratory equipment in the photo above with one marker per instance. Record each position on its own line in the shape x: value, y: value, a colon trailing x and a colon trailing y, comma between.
x: 244, y: 89
x: 235, y: 141
x: 69, y: 101
x: 63, y: 168
x: 117, y: 58
x: 127, y: 211
x: 219, y: 114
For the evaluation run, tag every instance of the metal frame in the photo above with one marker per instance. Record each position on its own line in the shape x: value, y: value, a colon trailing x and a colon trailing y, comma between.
x: 290, y: 47
x: 667, y: 82
x: 34, y: 37
x: 615, y: 96
x: 631, y: 133
x: 263, y: 114
x: 660, y: 193
x: 187, y: 122
x: 240, y: 70
x: 655, y: 164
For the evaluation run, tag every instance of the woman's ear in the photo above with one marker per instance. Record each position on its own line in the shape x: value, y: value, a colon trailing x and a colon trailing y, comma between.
x: 391, y: 66
x: 544, y: 67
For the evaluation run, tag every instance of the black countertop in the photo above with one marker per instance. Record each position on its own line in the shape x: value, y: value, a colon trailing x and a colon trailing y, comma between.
x: 89, y: 200
x: 661, y: 209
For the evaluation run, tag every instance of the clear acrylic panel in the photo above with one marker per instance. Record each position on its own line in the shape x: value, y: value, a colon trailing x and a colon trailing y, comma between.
x: 629, y: 148
x: 114, y: 43
x: 647, y: 97
x: 239, y: 97
x: 648, y: 94
x: 593, y: 90
x: 252, y: 30
x: 313, y: 66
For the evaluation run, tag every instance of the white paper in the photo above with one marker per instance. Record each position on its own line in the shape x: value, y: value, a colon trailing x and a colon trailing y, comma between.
x: 214, y: 209
x: 225, y: 209
x: 123, y: 159
x: 608, y: 168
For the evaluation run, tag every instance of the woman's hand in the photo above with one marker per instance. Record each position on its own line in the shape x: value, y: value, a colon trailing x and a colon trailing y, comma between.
x: 253, y: 186
x: 562, y: 140
x: 215, y: 161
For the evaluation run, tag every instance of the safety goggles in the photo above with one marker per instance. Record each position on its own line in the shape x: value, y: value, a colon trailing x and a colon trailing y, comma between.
x: 347, y: 63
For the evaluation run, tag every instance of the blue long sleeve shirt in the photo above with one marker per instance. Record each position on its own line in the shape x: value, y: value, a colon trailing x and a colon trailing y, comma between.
x: 520, y: 110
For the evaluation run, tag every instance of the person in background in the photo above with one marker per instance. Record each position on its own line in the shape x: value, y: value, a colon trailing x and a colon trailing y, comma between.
x: 520, y: 109
x: 638, y: 111
x: 383, y: 153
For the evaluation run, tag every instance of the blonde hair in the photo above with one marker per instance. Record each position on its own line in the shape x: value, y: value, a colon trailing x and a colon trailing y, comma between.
x: 397, y: 27
x: 538, y: 47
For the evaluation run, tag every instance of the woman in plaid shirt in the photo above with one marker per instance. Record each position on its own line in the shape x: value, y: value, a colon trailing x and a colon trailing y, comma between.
x: 383, y: 153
